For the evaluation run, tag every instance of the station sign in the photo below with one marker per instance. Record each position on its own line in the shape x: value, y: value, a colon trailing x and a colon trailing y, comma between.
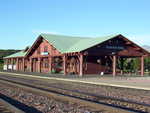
x: 44, y: 53
x: 115, y: 47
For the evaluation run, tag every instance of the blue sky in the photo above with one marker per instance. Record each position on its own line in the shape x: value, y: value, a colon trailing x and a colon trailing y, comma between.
x: 21, y: 21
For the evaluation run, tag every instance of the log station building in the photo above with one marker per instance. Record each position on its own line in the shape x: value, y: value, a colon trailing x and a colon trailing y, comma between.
x: 76, y: 55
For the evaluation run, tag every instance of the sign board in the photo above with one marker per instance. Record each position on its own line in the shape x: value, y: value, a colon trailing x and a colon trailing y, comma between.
x: 115, y: 47
x: 5, y: 67
x: 10, y: 67
x: 14, y: 67
x: 44, y: 53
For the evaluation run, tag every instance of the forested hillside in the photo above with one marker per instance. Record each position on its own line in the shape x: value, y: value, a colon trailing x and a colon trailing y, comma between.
x: 4, y: 53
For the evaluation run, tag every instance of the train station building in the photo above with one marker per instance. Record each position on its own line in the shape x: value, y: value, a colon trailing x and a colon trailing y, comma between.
x: 76, y: 55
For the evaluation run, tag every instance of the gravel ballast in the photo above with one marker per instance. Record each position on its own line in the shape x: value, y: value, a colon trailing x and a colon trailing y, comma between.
x: 43, y: 103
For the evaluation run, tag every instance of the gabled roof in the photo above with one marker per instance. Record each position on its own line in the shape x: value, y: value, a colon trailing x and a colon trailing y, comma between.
x: 68, y: 44
x: 18, y: 54
x: 88, y: 43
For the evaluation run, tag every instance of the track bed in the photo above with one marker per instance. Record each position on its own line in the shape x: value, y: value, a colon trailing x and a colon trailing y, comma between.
x: 102, y: 94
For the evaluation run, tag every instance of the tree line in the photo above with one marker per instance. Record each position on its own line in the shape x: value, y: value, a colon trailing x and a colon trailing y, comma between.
x: 4, y: 53
x: 132, y: 65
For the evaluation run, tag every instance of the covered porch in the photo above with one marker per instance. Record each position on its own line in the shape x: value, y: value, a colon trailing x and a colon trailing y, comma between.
x: 105, y: 58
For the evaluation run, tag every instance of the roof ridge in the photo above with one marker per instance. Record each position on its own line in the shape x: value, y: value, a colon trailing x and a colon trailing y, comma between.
x: 20, y: 53
x: 95, y: 39
x: 78, y: 42
x: 66, y: 35
x: 112, y: 35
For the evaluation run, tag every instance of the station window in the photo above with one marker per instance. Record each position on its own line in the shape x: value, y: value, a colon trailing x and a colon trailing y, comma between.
x: 39, y: 50
x: 45, y: 49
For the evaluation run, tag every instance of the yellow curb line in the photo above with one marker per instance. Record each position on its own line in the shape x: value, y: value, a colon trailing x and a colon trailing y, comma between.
x: 78, y: 81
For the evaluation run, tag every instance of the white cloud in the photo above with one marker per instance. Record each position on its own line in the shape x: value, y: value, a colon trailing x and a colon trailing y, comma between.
x: 140, y: 39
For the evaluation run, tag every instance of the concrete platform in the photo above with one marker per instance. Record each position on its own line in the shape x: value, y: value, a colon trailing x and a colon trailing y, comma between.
x: 123, y: 81
x: 130, y: 82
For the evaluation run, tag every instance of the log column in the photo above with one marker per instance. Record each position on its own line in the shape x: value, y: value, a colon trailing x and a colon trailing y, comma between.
x: 122, y: 62
x: 13, y: 63
x: 39, y: 65
x: 23, y: 63
x: 50, y: 64
x: 142, y: 65
x: 30, y: 64
x: 114, y: 65
x: 8, y: 64
x: 64, y: 64
x: 12, y: 66
x: 17, y: 64
x: 6, y: 61
x: 81, y: 64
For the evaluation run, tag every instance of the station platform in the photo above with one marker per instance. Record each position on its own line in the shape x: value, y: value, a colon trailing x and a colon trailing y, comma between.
x: 135, y: 82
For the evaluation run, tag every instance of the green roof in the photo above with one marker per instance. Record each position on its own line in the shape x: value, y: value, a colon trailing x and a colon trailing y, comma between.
x: 67, y: 44
x: 18, y: 54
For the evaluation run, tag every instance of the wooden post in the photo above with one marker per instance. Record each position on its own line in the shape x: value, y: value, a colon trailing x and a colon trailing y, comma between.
x: 114, y: 65
x: 23, y: 64
x: 12, y: 66
x: 39, y: 65
x: 7, y: 64
x: 30, y: 64
x: 142, y: 65
x: 81, y: 65
x: 50, y: 64
x: 13, y: 63
x: 122, y: 62
x: 64, y: 64
x: 17, y: 64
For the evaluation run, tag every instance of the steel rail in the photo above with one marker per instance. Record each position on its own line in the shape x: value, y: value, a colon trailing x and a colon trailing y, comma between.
x: 81, y: 96
x: 6, y: 107
x: 96, y: 97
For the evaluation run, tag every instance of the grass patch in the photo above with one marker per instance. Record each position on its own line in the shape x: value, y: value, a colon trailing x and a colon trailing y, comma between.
x: 1, y: 66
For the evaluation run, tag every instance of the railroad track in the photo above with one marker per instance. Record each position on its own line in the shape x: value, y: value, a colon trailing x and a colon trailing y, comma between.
x: 110, y: 103
x: 64, y: 97
x: 9, y: 105
x: 6, y: 107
